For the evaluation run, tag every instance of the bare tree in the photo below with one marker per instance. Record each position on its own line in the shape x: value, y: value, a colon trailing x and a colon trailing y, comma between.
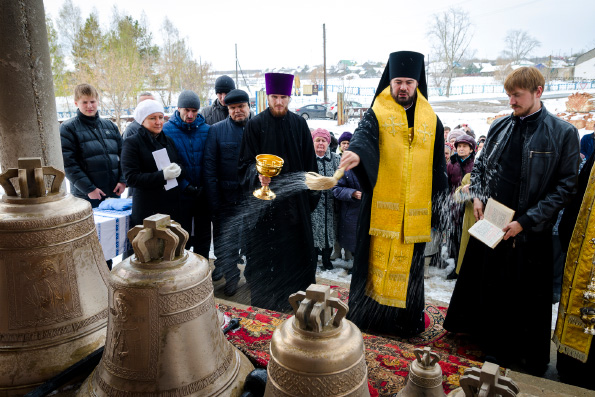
x: 519, y: 43
x: 451, y: 34
x: 178, y: 70
x: 174, y: 53
x: 70, y: 23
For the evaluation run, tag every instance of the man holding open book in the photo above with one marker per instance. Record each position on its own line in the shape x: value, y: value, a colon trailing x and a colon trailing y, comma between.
x: 530, y: 165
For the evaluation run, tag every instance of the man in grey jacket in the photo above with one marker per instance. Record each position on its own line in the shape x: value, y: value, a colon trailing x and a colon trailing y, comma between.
x: 218, y: 110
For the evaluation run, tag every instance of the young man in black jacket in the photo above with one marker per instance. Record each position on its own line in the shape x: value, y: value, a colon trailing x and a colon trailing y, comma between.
x: 91, y: 148
x: 530, y: 164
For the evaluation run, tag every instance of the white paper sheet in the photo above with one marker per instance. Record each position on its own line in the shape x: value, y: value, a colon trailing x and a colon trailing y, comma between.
x: 162, y: 161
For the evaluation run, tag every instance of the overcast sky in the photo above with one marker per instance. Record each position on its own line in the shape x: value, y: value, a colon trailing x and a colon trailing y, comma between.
x: 272, y: 33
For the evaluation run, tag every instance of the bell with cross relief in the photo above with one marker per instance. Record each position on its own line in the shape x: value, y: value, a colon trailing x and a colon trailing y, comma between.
x: 53, y: 293
x: 164, y: 336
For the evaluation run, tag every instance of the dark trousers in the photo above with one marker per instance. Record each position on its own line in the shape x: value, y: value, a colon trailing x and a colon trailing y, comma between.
x: 196, y: 220
x: 227, y: 227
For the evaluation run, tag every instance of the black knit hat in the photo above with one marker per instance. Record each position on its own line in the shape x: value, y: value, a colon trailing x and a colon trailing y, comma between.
x: 224, y: 84
x: 236, y: 96
x: 188, y: 99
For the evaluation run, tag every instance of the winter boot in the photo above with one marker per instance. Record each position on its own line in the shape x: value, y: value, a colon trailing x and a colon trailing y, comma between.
x: 348, y: 255
x: 337, y: 252
x: 326, y: 259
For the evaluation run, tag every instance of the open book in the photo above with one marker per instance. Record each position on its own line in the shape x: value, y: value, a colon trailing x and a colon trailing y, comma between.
x: 489, y: 229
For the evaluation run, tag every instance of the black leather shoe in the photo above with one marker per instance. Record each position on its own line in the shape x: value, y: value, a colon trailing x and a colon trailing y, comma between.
x: 217, y: 274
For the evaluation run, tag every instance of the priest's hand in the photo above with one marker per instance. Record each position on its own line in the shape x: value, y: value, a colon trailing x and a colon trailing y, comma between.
x: 264, y: 180
x: 478, y: 207
x: 349, y: 160
x: 512, y: 229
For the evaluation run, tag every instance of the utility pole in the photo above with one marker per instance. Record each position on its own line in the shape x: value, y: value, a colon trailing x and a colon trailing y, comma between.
x: 237, y: 82
x: 324, y: 65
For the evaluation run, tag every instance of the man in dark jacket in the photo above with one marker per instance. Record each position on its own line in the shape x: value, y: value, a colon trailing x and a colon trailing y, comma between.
x: 530, y: 164
x: 279, y: 260
x: 222, y: 188
x: 91, y: 147
x: 188, y: 130
x: 218, y: 111
x: 397, y: 154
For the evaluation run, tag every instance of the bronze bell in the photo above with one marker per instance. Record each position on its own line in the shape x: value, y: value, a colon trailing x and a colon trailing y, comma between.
x: 316, y: 352
x: 425, y: 375
x: 164, y: 336
x: 53, y: 304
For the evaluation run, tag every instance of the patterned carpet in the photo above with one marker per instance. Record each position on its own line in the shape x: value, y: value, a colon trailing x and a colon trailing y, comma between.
x: 388, y: 358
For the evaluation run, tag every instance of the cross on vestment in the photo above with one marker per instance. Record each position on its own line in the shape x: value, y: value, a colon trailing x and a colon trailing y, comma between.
x: 392, y: 126
x: 424, y: 132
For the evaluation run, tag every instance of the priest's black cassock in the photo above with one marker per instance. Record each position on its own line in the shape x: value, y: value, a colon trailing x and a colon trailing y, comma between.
x: 279, y: 243
x: 364, y: 311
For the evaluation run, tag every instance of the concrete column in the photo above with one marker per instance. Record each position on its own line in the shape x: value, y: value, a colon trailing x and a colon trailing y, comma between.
x: 28, y: 120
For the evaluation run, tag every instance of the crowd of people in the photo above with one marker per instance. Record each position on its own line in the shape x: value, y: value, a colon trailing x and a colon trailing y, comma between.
x: 399, y: 196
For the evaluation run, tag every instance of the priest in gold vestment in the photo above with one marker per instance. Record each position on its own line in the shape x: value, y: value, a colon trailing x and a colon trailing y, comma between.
x: 397, y: 154
x: 575, y: 328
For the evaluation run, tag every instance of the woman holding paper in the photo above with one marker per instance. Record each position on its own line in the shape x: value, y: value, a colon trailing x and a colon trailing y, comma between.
x: 149, y: 163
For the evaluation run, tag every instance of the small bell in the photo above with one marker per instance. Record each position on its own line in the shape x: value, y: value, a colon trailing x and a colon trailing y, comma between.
x: 317, y: 352
x: 485, y: 382
x: 164, y: 336
x: 425, y: 375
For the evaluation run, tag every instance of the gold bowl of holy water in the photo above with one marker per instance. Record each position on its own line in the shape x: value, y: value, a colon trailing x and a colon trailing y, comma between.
x: 267, y: 165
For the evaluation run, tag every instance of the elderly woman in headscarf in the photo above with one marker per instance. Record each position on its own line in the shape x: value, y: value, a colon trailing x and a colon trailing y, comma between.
x: 155, y: 186
x: 323, y: 217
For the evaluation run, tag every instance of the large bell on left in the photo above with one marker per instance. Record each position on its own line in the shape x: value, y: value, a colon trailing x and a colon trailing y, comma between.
x: 53, y: 293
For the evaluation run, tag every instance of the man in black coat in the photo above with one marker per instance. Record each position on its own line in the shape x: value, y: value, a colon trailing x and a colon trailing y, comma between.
x: 220, y: 171
x: 218, y: 110
x: 529, y: 163
x: 397, y: 152
x: 278, y: 233
x: 91, y: 148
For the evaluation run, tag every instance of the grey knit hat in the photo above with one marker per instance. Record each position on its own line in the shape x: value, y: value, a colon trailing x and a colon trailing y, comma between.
x: 188, y: 99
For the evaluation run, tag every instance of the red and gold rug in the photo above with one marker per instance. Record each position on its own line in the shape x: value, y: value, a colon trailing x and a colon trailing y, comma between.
x: 387, y: 358
x: 434, y: 335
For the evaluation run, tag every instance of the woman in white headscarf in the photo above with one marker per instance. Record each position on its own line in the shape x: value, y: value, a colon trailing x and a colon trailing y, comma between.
x: 140, y: 169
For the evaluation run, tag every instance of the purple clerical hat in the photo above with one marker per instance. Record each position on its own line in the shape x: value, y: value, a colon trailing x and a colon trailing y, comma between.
x: 278, y: 83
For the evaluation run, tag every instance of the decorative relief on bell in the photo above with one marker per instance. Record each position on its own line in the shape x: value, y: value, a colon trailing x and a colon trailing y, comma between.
x: 133, y: 349
x: 42, y: 290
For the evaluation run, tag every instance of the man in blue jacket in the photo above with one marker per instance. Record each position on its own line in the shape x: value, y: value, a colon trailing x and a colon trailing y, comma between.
x: 188, y: 130
x: 222, y: 187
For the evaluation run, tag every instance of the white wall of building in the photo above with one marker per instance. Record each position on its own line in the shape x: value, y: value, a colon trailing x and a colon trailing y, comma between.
x: 585, y: 70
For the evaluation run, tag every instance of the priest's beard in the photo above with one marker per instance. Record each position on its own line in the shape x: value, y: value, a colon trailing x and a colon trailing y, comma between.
x: 277, y: 112
x: 405, y: 102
